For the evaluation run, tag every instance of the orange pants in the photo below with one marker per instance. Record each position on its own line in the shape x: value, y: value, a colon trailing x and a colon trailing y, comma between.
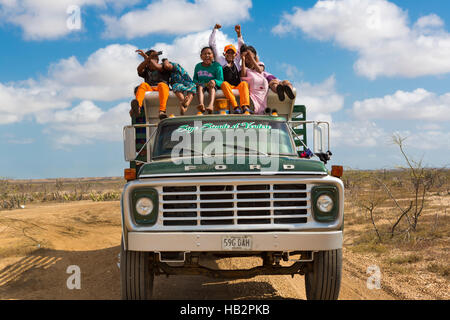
x: 244, y: 95
x: 163, y: 90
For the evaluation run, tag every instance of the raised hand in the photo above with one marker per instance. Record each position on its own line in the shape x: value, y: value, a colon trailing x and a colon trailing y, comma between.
x: 217, y: 26
x: 142, y: 53
x: 237, y: 28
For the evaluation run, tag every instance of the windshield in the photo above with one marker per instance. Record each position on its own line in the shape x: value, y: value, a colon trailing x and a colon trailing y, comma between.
x: 223, y: 137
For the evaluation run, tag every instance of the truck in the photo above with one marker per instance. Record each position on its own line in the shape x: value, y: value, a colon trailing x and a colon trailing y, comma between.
x: 228, y: 185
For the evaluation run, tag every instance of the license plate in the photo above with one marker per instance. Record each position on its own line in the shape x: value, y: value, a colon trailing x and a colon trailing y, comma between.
x: 237, y: 243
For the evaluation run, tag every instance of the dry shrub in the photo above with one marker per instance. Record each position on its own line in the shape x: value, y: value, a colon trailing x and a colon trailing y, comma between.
x: 15, y: 194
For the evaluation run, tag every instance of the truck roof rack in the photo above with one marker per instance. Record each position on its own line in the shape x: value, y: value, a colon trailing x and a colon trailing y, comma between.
x: 151, y: 105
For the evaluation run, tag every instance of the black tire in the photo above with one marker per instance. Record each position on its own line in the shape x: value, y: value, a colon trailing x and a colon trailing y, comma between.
x: 323, y: 282
x: 136, y: 275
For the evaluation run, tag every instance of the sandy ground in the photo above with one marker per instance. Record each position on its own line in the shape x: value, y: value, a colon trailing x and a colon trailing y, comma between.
x: 39, y: 243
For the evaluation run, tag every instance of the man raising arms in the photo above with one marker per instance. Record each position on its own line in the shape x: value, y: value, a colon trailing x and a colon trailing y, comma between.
x: 230, y: 62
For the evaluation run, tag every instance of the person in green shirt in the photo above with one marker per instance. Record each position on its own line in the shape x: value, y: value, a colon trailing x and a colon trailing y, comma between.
x: 208, y: 76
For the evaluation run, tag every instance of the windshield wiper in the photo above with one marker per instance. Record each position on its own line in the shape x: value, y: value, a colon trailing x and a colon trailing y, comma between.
x: 187, y: 149
x: 193, y: 150
x: 282, y: 154
x: 236, y: 146
x: 162, y: 156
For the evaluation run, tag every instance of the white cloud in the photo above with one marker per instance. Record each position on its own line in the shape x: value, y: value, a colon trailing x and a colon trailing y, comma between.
x: 323, y: 101
x: 432, y: 140
x: 428, y: 112
x: 86, y: 123
x: 291, y: 71
x: 47, y: 19
x: 417, y: 105
x: 358, y: 134
x: 363, y: 134
x: 12, y: 139
x: 429, y: 126
x: 25, y: 98
x: 430, y: 21
x: 426, y: 139
x: 378, y: 31
x: 176, y: 17
x: 109, y: 74
x: 320, y: 99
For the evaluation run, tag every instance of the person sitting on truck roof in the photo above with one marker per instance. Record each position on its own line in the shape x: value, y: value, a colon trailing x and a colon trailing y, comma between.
x: 208, y: 75
x: 253, y: 74
x: 230, y: 62
x: 182, y: 84
x: 156, y: 79
x: 278, y: 86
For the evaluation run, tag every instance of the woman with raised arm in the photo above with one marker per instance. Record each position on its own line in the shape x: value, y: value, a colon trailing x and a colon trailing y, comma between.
x: 251, y: 72
x: 155, y: 79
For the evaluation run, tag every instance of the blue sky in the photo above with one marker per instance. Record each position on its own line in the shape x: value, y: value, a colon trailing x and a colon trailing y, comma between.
x: 371, y: 67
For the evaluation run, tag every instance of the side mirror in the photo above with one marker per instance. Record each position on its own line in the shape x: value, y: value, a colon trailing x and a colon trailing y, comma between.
x: 321, y: 141
x: 129, y: 143
x: 320, y: 138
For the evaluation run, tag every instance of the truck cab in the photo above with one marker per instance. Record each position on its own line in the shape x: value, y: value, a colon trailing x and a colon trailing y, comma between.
x: 224, y: 185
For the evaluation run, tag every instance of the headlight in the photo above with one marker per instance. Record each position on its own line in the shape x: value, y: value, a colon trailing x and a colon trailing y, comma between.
x: 325, y: 203
x: 144, y: 206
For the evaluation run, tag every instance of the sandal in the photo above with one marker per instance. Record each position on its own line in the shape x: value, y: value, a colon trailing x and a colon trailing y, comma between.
x: 289, y: 92
x: 185, y: 101
x: 201, y: 108
x: 248, y: 109
x: 210, y: 110
x: 183, y: 108
x: 280, y: 92
x: 237, y: 110
x: 162, y: 115
x: 135, y: 109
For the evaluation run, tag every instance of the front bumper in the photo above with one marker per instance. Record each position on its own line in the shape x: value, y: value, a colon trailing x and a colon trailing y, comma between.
x: 212, y: 241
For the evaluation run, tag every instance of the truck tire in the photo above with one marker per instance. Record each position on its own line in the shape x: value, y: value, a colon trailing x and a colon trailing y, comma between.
x: 136, y: 275
x: 324, y: 280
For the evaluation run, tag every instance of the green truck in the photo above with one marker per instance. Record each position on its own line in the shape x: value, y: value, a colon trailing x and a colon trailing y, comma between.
x: 224, y: 185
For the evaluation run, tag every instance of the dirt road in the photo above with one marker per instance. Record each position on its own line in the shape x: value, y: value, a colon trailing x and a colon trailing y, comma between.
x: 39, y: 243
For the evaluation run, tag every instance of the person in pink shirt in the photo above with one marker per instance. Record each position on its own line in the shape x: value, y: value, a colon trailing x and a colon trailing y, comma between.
x: 252, y: 73
x: 280, y: 87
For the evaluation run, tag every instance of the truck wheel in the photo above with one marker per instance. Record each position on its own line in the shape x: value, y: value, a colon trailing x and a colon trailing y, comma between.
x: 136, y: 275
x: 324, y: 280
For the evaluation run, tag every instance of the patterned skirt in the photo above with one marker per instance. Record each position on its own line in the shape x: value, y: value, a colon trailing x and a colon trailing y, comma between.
x: 181, y: 81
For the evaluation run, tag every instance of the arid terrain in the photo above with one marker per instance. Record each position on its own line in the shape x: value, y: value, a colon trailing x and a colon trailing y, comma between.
x: 40, y: 240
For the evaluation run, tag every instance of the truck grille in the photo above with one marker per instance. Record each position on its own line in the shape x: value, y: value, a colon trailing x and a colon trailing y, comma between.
x: 214, y: 205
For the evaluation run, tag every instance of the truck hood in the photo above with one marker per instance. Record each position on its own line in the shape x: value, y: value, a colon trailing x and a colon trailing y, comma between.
x: 198, y: 166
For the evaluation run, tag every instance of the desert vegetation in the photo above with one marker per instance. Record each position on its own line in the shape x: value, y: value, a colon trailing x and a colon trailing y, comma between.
x: 15, y: 194
x: 399, y: 220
